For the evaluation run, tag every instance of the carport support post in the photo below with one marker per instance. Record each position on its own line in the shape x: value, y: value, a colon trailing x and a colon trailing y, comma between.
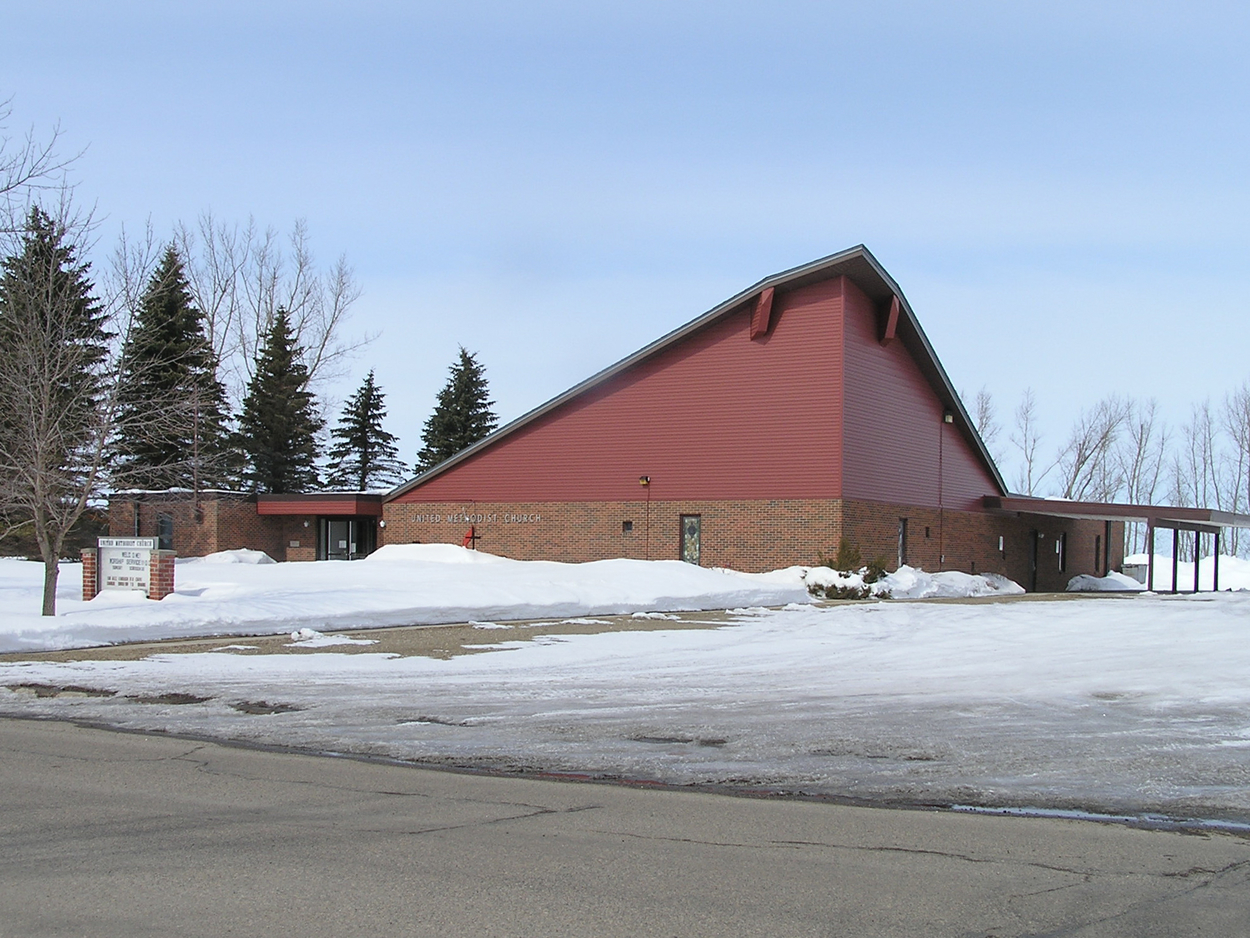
x: 1150, y: 555
x: 1215, y: 559
x: 1197, y: 554
x: 1176, y: 555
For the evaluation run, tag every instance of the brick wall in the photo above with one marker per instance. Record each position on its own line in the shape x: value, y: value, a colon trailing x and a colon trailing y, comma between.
x: 238, y: 527
x: 161, y: 574
x: 745, y: 535
x: 226, y: 521
x: 299, y: 537
x: 90, y: 574
x: 754, y: 536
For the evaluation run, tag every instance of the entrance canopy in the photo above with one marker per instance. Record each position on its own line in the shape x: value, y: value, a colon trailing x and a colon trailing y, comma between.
x: 1174, y: 518
x: 321, y: 503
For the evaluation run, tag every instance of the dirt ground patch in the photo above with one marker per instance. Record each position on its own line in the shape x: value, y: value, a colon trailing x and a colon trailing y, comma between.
x: 430, y: 641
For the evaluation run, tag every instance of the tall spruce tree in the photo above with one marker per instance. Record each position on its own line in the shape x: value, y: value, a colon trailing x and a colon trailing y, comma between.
x: 462, y: 416
x: 53, y: 355
x: 364, y: 454
x: 279, y: 424
x: 173, y: 406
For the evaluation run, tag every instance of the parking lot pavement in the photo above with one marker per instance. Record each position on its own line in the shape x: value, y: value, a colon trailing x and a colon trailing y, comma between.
x: 105, y: 833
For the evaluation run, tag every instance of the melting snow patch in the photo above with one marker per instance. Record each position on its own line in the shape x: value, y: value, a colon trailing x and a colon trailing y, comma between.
x: 489, y: 625
x: 311, y: 638
x: 655, y: 615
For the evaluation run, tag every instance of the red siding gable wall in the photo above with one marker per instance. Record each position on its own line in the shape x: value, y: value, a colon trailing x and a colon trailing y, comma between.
x: 718, y: 415
x: 894, y: 427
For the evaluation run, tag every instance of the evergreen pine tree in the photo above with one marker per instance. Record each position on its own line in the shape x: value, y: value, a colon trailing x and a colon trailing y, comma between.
x: 462, y: 416
x: 279, y: 424
x: 173, y: 408
x: 364, y: 453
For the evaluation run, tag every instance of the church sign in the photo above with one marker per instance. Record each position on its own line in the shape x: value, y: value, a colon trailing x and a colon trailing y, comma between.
x: 125, y: 563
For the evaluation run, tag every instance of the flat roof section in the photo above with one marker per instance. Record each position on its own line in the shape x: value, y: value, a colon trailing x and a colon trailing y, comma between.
x: 1206, y: 520
x: 320, y: 503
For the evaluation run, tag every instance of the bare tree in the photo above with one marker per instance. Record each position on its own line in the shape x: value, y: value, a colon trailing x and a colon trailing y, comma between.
x: 28, y: 166
x: 241, y: 276
x: 62, y: 350
x: 1087, y: 471
x: 1203, y: 458
x: 54, y: 396
x: 1235, y: 420
x: 1141, y: 457
x: 1025, y: 438
x: 984, y: 416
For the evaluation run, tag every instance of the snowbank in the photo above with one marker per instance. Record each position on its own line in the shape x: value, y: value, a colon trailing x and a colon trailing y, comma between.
x: 242, y: 555
x: 911, y: 583
x: 1111, y: 583
x: 238, y: 593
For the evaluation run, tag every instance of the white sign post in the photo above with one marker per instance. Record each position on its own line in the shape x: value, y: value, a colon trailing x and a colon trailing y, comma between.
x: 125, y: 563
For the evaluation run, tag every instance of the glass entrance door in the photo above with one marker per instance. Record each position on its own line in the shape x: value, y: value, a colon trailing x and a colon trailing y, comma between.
x: 346, y: 538
x: 340, y: 538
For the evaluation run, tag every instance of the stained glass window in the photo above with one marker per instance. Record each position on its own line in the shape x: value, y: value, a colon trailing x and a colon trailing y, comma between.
x: 690, y: 531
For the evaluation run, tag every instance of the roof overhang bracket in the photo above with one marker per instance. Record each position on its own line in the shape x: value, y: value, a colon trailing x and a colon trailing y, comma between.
x: 889, y: 321
x: 762, y: 314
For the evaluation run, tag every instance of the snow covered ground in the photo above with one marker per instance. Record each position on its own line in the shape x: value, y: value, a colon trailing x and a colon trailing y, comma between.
x: 1115, y: 703
x: 234, y: 594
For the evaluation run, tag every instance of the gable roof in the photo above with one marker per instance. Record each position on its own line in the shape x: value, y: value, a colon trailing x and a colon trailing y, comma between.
x: 857, y: 263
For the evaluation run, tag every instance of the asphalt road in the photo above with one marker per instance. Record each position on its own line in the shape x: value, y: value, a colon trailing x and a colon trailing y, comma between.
x: 105, y: 833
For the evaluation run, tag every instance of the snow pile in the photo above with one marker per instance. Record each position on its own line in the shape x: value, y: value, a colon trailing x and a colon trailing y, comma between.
x: 1111, y: 583
x: 416, y: 584
x: 840, y: 584
x: 908, y: 583
x: 433, y: 553
x: 242, y: 555
x: 1234, y: 572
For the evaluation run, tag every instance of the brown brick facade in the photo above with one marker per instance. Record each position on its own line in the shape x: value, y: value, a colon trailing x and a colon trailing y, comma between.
x: 747, y: 535
x: 161, y: 574
x: 754, y: 536
x: 90, y: 574
x: 224, y: 521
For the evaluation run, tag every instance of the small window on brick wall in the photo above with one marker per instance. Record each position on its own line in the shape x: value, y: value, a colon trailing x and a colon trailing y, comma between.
x: 165, y: 532
x: 627, y: 527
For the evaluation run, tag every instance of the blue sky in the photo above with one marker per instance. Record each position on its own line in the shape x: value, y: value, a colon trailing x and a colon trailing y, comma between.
x: 1059, y: 189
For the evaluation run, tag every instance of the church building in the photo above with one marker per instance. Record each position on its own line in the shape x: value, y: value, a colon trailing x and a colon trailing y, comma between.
x: 806, y: 410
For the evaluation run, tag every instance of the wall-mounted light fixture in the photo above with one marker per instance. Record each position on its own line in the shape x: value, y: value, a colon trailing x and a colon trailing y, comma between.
x: 382, y: 524
x: 306, y: 524
x: 644, y: 480
x: 948, y: 417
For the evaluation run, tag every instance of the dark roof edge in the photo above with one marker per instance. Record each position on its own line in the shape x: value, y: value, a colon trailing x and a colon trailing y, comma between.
x: 1160, y: 515
x: 715, y: 313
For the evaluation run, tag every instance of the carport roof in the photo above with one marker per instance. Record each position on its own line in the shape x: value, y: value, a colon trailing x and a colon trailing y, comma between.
x: 1159, y: 516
